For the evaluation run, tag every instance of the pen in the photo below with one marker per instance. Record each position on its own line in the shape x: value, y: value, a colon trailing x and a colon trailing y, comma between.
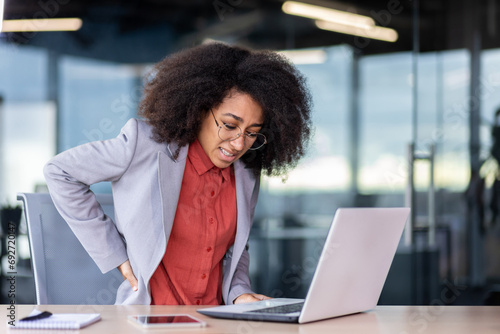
x: 43, y: 315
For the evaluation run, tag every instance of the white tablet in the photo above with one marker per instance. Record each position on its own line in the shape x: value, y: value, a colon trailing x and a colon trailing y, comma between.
x: 166, y: 321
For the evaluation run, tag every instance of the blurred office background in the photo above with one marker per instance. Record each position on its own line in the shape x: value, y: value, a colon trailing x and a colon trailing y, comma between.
x: 384, y: 110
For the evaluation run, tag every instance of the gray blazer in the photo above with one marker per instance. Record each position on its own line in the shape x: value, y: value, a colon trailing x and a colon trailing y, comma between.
x: 146, y: 182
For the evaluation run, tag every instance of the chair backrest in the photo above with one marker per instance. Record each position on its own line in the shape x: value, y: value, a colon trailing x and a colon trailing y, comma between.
x: 63, y: 271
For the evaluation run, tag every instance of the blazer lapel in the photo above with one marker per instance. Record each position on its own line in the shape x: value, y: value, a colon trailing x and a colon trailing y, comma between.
x: 170, y: 174
x: 244, y: 189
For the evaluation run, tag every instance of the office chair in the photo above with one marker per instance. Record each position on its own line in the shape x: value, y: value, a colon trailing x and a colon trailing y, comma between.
x: 63, y: 271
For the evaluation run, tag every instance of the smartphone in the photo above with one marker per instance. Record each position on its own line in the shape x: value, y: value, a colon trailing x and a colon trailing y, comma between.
x: 166, y: 321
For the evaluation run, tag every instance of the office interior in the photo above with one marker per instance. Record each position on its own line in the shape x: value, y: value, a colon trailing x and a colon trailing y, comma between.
x: 406, y: 121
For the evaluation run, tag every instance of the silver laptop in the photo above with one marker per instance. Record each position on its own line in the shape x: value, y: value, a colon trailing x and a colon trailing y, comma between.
x: 350, y: 274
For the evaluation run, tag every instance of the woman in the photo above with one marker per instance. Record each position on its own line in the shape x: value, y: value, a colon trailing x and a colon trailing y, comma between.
x: 186, y: 178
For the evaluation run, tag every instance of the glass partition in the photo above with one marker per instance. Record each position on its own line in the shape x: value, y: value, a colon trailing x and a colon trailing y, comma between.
x: 96, y: 99
x: 27, y: 120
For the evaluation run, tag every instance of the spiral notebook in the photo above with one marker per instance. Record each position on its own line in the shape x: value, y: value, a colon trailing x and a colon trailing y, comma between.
x: 58, y: 321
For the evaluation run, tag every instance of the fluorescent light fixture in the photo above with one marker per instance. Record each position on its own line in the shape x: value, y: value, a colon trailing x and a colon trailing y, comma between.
x: 32, y: 25
x: 380, y: 33
x: 305, y: 56
x: 341, y: 21
x: 327, y: 14
x: 1, y: 13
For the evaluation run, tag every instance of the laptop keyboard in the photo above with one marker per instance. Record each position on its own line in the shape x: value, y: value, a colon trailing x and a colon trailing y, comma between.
x: 281, y: 309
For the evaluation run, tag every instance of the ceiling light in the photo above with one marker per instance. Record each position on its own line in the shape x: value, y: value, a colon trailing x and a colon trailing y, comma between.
x: 31, y: 25
x: 327, y: 14
x: 380, y: 33
x: 305, y: 56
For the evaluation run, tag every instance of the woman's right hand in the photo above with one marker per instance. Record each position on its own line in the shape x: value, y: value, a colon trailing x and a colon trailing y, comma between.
x: 126, y: 270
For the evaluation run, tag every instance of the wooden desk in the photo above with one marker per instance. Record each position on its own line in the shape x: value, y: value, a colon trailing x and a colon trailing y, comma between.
x: 383, y: 319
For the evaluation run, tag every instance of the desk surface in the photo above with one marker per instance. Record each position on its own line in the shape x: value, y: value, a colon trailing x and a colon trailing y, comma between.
x: 383, y: 319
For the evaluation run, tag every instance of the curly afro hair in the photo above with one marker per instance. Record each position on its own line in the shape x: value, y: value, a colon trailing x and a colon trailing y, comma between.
x: 186, y: 85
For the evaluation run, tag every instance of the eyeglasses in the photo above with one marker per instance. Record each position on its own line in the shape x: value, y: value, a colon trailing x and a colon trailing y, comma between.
x: 229, y: 132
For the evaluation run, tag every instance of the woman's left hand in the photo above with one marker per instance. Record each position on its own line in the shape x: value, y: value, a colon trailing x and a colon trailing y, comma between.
x: 250, y: 297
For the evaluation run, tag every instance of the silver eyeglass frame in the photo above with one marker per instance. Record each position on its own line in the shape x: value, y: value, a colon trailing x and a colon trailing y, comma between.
x: 239, y: 134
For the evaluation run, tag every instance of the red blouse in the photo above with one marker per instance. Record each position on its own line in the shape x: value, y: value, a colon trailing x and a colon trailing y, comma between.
x: 190, y: 272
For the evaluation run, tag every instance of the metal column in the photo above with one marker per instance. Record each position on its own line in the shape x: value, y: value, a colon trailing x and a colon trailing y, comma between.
x: 354, y: 123
x: 431, y: 196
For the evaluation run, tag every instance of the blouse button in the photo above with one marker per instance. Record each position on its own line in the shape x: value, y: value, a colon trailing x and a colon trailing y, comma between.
x: 212, y: 193
x: 198, y: 302
x: 203, y: 276
x: 209, y: 249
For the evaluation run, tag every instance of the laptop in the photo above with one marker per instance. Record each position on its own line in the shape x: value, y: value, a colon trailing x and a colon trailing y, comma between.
x: 351, y: 271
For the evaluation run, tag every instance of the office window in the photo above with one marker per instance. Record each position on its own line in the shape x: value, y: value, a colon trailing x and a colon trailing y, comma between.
x: 385, y: 107
x: 96, y: 99
x: 386, y: 119
x: 452, y: 137
x: 27, y: 120
x: 442, y: 120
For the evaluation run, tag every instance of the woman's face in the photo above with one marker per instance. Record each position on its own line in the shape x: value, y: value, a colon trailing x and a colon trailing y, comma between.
x: 238, y: 109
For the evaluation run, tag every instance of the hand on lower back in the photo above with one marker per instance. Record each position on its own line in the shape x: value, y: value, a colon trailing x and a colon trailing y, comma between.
x: 126, y: 270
